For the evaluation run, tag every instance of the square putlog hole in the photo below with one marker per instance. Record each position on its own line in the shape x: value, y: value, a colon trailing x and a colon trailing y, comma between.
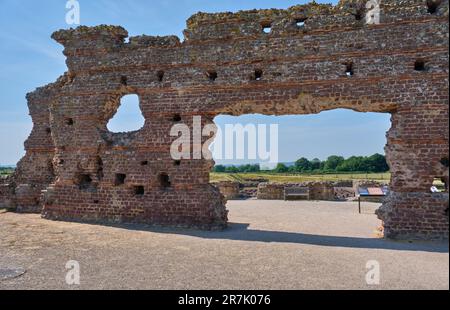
x: 139, y: 190
x: 120, y: 179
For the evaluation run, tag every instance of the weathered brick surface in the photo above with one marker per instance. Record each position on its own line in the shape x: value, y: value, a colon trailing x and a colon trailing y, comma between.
x: 317, y: 190
x: 270, y: 191
x: 6, y: 193
x: 303, y: 71
x: 230, y: 190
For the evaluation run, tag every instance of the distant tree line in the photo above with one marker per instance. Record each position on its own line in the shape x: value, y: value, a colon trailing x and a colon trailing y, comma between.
x: 237, y: 169
x: 334, y: 164
x: 6, y: 171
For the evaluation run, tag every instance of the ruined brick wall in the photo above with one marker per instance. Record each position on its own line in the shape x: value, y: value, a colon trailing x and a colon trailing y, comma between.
x: 35, y: 171
x: 270, y: 191
x: 317, y: 190
x: 6, y: 193
x: 321, y: 191
x: 230, y: 190
x: 228, y: 65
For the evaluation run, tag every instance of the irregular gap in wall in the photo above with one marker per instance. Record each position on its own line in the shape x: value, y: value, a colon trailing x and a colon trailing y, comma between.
x: 128, y: 117
x: 440, y: 184
x: 257, y: 75
x: 139, y: 190
x: 120, y: 179
x: 176, y: 118
x: 420, y: 65
x: 433, y: 6
x: 266, y: 27
x: 349, y: 69
x: 445, y: 181
x: 300, y: 22
x: 444, y: 162
x: 164, y: 181
x: 70, y: 121
x: 99, y: 164
x: 160, y: 75
x: 124, y: 80
x: 212, y: 75
x: 359, y: 13
x: 309, y: 129
x: 84, y: 182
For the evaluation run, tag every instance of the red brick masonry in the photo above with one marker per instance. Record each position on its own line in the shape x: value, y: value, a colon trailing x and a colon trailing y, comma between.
x: 228, y: 65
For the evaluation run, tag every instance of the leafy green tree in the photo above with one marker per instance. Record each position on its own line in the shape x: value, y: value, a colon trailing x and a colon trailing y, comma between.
x: 244, y: 168
x: 378, y: 163
x: 333, y: 162
x: 302, y: 165
x: 256, y: 168
x: 281, y: 168
x: 352, y: 164
x: 292, y: 169
x: 316, y: 164
x: 250, y: 168
x: 231, y: 169
x: 374, y: 163
x: 219, y: 168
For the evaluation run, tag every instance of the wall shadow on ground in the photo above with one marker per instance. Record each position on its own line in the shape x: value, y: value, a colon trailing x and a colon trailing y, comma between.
x: 243, y: 232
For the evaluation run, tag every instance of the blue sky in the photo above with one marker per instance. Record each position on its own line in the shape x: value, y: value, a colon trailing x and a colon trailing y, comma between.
x: 29, y: 59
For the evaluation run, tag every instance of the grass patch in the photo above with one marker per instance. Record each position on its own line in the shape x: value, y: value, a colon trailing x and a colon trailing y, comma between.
x: 297, y: 178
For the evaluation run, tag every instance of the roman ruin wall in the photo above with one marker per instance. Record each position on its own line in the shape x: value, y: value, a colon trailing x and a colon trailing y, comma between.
x: 307, y: 59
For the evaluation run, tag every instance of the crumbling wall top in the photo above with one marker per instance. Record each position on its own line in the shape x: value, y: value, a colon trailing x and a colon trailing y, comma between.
x: 44, y: 93
x: 62, y: 36
x: 347, y: 14
x: 208, y: 18
x: 97, y: 37
x: 313, y: 9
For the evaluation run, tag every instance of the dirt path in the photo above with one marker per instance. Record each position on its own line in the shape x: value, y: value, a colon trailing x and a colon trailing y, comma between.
x: 269, y: 245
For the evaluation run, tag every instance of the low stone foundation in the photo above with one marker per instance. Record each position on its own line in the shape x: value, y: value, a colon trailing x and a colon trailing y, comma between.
x: 321, y: 191
x: 230, y: 190
x: 344, y: 193
x: 317, y: 190
x: 270, y: 191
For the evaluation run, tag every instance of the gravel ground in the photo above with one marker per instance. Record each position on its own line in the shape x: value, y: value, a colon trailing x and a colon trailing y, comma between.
x: 269, y: 245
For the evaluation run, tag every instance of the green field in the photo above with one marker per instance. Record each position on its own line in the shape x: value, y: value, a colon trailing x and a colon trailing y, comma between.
x: 297, y: 178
